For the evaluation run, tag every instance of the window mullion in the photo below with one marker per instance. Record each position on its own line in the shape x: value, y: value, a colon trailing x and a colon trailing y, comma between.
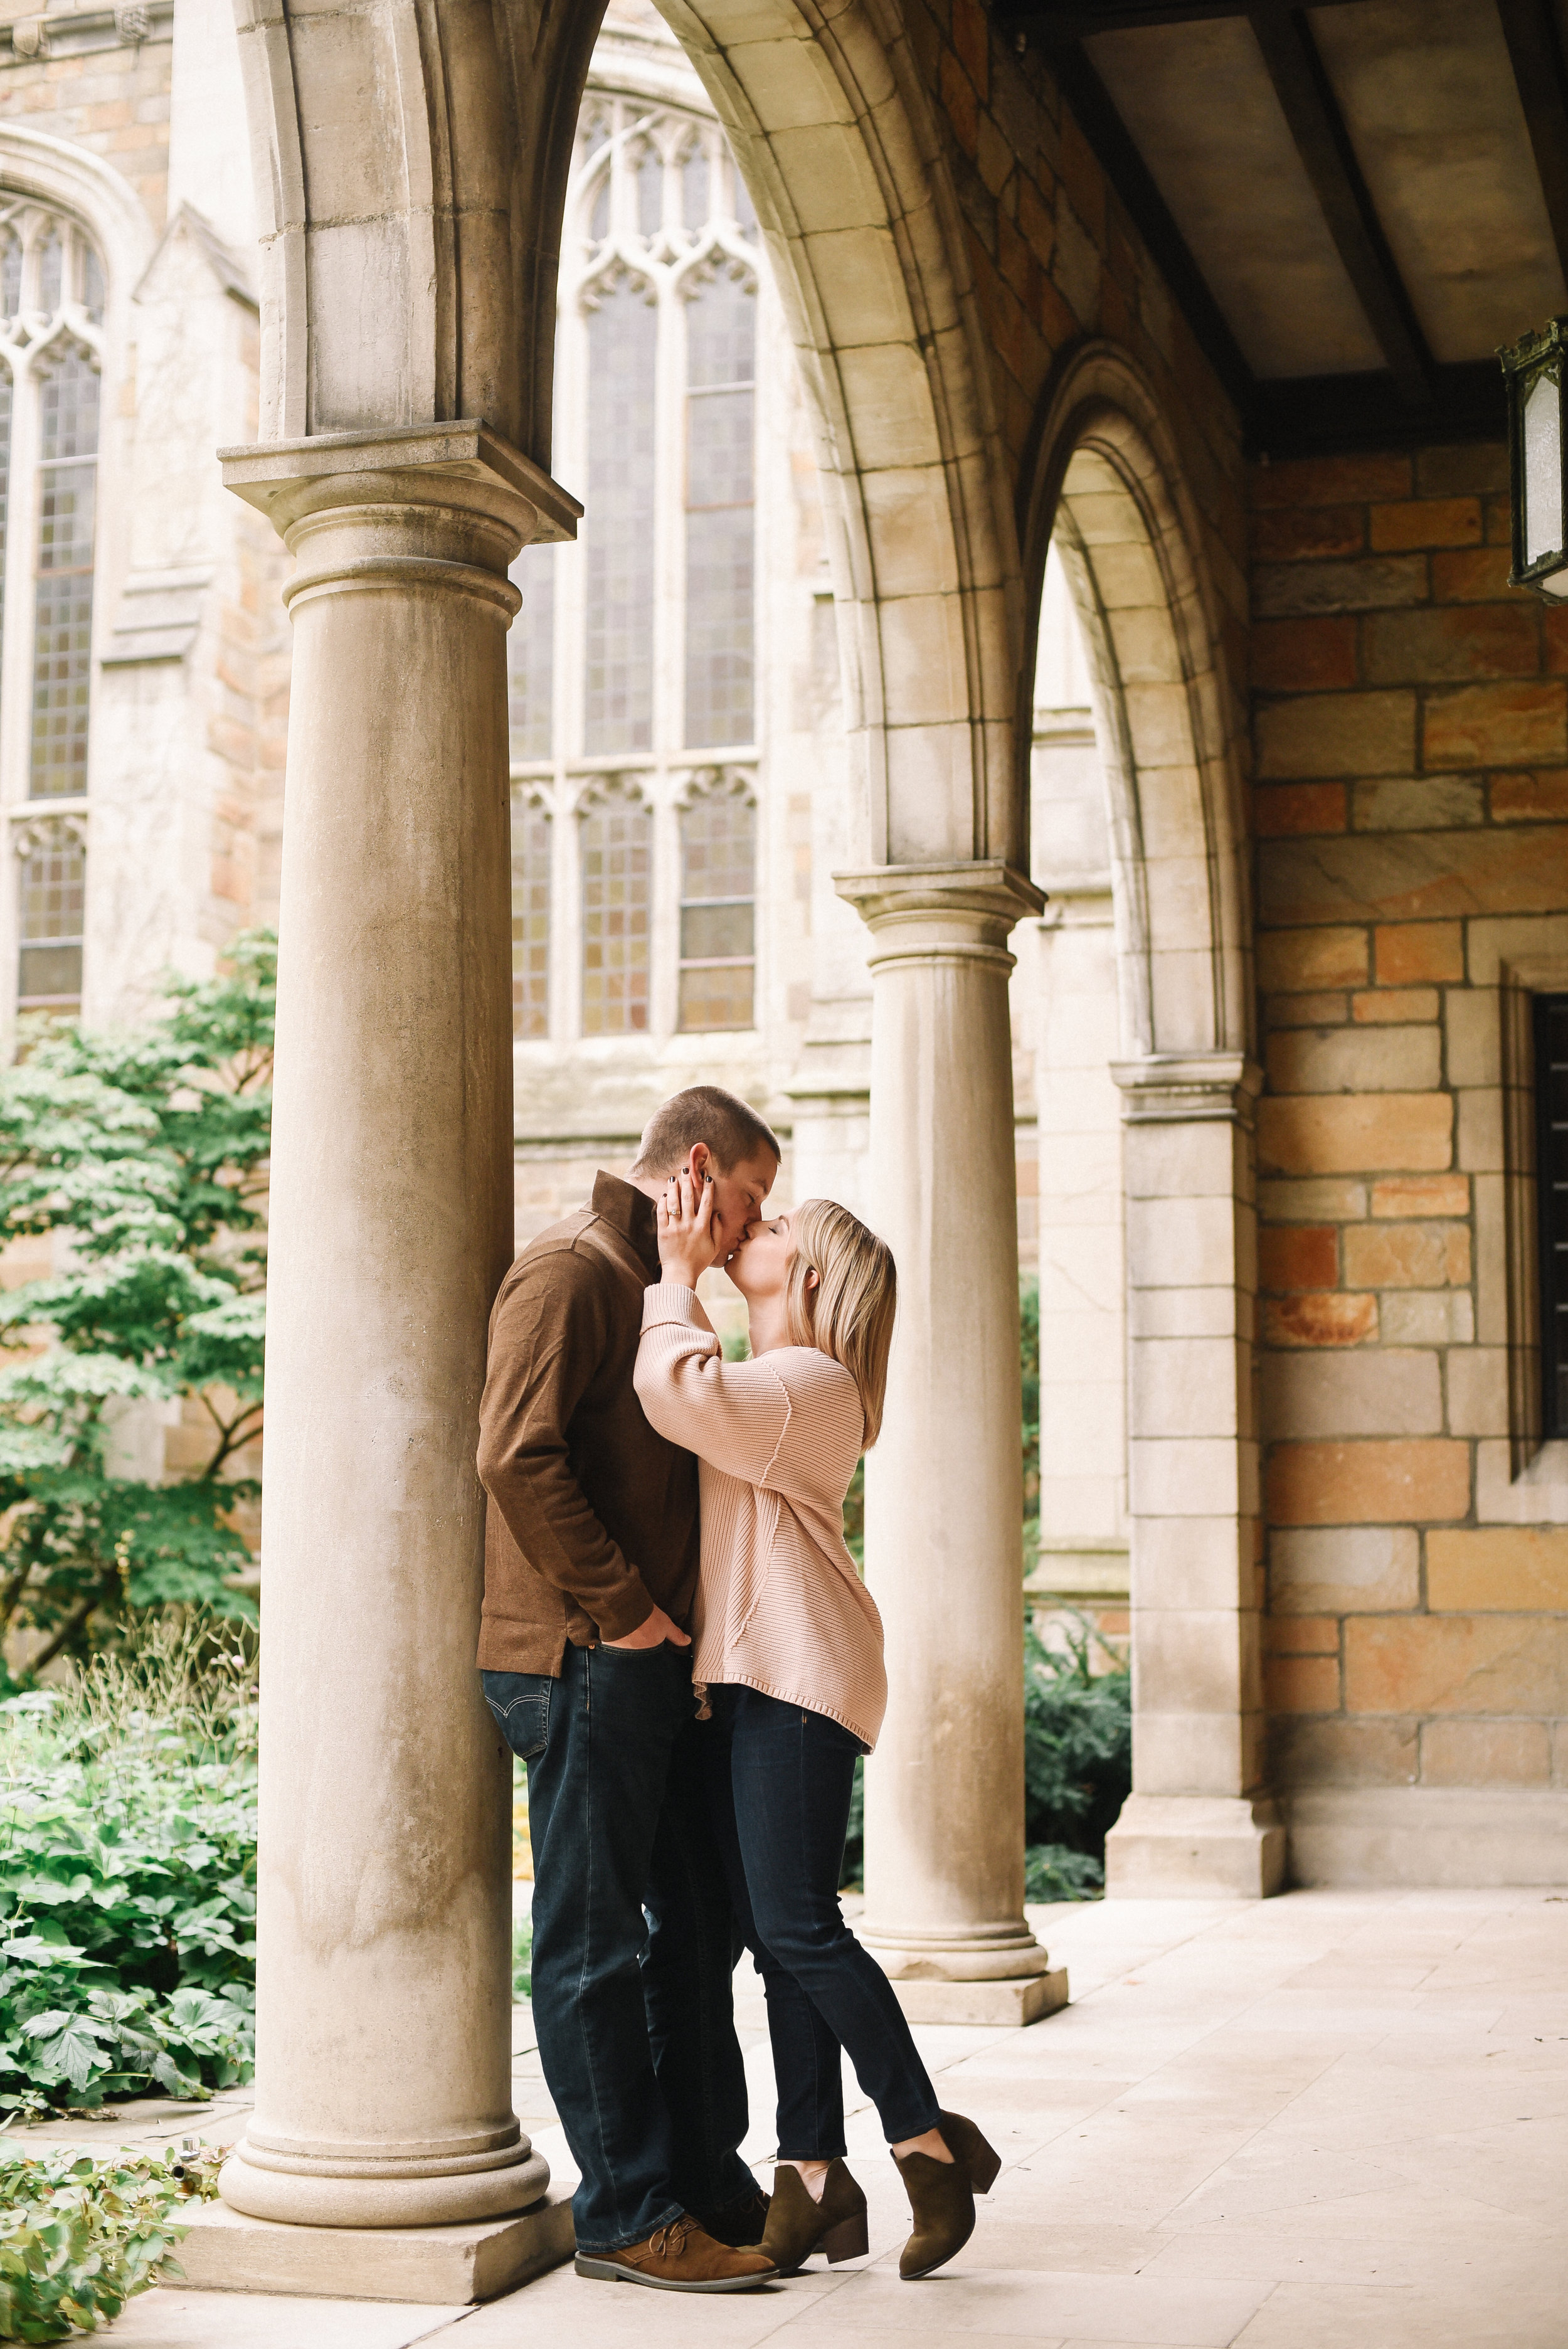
x: 669, y: 522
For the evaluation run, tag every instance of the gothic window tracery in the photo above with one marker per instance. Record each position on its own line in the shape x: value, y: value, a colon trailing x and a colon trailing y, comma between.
x: 634, y: 648
x: 51, y: 342
x: 717, y: 911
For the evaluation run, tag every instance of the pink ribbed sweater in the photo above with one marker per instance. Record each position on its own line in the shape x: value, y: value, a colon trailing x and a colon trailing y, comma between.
x: 779, y: 1605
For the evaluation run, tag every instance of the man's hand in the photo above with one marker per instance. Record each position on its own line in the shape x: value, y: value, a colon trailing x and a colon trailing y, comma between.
x: 687, y: 1241
x: 653, y: 1634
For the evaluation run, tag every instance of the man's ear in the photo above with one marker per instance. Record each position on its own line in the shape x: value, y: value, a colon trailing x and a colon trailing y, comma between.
x: 699, y: 1161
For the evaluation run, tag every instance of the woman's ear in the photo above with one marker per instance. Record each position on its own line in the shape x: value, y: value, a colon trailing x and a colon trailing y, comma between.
x: 810, y: 1276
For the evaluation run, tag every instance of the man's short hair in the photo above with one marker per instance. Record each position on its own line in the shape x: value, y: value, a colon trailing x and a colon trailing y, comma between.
x: 708, y: 1114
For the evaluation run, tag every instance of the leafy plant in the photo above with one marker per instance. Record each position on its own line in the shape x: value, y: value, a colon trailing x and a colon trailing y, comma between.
x: 148, y: 1153
x: 128, y: 1834
x: 1077, y: 1761
x: 78, y: 2237
x: 1029, y: 1368
x: 522, y: 1958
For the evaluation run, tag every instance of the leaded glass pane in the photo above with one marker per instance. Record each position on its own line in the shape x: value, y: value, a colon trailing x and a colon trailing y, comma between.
x: 63, y: 610
x: 617, y: 858
x: 722, y: 345
x: 718, y: 937
x: 623, y: 337
x: 694, y: 187
x: 530, y: 921
x: 51, y: 265
x: 599, y: 221
x: 10, y: 271
x: 650, y: 190
x: 53, y: 894
x: 531, y: 653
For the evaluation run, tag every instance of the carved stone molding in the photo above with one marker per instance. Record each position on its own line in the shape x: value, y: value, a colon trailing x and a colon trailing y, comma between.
x: 35, y: 833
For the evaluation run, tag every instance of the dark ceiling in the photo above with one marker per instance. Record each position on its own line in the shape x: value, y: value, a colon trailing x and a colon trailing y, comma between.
x: 1354, y: 204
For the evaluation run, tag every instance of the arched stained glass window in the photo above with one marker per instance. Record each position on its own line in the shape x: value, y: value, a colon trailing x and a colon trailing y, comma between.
x: 51, y: 314
x: 721, y: 361
x: 634, y: 648
x: 618, y: 669
x: 63, y: 612
x: 617, y: 899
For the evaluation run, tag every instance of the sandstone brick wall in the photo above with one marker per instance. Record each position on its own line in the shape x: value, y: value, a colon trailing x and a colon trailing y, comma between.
x: 113, y: 100
x: 1411, y: 812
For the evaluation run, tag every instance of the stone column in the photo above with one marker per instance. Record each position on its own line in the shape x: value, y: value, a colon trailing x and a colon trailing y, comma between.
x: 944, y: 1793
x: 383, y: 2087
x: 1197, y: 1823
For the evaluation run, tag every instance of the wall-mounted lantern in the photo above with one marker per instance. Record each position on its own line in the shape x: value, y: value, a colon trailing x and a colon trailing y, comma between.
x: 1533, y: 370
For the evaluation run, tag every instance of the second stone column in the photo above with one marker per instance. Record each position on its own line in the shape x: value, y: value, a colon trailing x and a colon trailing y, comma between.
x: 945, y: 1794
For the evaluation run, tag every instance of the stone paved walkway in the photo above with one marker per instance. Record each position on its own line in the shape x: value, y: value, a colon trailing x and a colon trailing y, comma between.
x: 1337, y: 2120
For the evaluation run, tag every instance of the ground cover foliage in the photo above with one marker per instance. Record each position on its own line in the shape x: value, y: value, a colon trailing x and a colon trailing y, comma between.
x: 78, y: 2237
x: 127, y: 1868
x: 147, y: 1155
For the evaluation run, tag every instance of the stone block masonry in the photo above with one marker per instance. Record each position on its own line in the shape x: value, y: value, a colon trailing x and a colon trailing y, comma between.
x: 1410, y: 810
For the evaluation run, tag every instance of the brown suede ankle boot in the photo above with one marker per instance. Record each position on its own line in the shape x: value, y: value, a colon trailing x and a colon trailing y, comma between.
x: 942, y: 2195
x: 799, y: 2225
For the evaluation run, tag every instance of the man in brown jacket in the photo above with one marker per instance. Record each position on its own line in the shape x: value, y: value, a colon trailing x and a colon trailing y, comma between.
x: 591, y: 1566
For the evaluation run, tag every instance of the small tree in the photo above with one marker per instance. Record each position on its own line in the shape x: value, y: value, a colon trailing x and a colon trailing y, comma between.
x: 148, y: 1155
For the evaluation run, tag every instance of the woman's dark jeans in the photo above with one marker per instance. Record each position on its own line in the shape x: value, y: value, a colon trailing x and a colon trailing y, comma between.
x: 781, y: 1790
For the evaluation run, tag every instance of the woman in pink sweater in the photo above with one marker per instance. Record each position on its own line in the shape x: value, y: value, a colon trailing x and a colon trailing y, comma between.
x: 788, y: 1654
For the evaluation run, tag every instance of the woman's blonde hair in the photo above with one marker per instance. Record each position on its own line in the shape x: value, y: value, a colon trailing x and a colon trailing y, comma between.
x: 849, y: 1311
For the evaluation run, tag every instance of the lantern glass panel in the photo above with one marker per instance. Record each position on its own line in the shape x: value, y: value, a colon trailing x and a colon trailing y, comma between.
x: 1542, y: 469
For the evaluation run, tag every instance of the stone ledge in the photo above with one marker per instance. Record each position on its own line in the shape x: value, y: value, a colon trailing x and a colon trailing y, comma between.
x: 995, y: 2005
x: 1466, y: 1836
x: 445, y: 2266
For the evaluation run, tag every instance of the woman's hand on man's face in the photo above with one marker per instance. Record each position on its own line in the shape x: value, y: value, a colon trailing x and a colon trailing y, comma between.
x: 687, y: 1242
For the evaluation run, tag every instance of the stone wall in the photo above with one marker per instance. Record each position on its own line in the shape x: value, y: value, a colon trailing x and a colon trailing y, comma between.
x: 1411, y: 810
x: 104, y: 90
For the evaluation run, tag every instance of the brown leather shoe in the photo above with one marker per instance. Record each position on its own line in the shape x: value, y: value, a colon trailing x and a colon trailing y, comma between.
x: 740, y: 2222
x: 681, y: 2257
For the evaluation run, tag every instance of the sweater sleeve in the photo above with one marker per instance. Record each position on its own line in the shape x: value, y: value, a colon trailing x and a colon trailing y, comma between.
x: 734, y: 1415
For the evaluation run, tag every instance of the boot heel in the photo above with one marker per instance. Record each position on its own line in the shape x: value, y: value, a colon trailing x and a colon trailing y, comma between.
x: 848, y: 2240
x: 985, y: 2167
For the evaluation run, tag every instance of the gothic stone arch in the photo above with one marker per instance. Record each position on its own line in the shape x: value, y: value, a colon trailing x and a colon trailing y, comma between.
x: 1107, y: 483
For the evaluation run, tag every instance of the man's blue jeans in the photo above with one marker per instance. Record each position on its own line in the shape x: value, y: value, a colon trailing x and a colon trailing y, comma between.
x: 634, y: 2011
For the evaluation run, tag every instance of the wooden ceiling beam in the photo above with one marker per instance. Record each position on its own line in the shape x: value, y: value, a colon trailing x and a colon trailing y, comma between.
x: 1310, y: 108
x: 1536, y: 56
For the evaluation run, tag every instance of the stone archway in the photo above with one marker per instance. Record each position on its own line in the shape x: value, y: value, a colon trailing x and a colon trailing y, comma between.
x: 1108, y: 485
x: 411, y: 162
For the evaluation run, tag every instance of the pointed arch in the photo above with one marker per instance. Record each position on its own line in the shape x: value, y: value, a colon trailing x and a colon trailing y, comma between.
x: 411, y: 169
x: 1106, y: 481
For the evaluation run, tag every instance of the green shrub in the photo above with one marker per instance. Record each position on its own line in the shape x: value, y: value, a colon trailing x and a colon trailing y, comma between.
x: 522, y: 1958
x: 1078, y: 1762
x: 147, y: 1156
x: 78, y: 2237
x: 128, y: 1835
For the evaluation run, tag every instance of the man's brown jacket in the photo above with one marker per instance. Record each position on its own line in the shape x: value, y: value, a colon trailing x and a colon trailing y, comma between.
x: 593, y: 1517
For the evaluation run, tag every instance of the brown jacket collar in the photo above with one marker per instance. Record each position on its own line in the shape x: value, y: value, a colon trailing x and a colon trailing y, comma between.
x: 629, y: 1212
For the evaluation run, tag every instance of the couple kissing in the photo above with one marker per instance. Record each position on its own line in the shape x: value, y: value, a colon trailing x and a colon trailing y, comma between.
x: 677, y: 1644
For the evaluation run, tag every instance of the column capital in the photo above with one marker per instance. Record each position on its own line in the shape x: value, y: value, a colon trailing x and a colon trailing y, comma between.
x: 1178, y: 1088
x: 455, y: 497
x: 964, y: 907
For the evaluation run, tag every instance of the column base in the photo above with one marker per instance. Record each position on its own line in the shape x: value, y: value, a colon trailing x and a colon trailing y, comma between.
x: 994, y: 2005
x: 1195, y: 1847
x: 445, y: 2266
